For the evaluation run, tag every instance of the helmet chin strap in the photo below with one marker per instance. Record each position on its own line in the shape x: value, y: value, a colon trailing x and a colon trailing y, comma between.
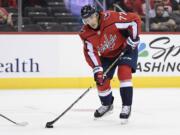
x: 98, y: 19
x: 84, y: 22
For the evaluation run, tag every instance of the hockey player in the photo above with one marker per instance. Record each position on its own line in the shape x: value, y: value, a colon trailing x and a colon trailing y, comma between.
x: 105, y: 36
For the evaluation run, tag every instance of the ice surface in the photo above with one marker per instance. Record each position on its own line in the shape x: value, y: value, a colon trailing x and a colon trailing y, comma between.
x: 154, y: 112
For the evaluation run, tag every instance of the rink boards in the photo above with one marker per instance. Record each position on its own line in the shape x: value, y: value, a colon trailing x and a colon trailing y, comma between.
x: 57, y: 61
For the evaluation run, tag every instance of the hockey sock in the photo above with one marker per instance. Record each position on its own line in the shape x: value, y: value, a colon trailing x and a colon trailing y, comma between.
x: 126, y: 95
x: 107, y: 99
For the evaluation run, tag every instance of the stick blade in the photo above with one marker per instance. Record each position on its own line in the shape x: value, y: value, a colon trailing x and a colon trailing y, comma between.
x: 49, y: 125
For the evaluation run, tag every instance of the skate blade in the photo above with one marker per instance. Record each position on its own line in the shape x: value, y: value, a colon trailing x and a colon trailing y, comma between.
x: 124, y: 121
x: 105, y: 115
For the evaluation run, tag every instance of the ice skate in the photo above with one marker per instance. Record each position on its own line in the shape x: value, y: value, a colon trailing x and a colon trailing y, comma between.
x: 103, y: 110
x: 125, y: 114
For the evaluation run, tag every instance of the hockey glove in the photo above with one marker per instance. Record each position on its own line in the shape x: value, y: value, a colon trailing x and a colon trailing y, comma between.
x: 132, y: 44
x: 98, y: 75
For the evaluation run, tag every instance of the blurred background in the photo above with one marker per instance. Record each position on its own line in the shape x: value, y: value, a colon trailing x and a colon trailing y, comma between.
x: 64, y: 15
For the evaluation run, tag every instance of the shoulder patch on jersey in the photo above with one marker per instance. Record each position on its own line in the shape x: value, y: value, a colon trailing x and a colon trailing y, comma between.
x: 106, y: 15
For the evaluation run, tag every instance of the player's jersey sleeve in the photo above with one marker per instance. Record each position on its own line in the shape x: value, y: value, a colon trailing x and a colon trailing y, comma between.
x: 129, y: 21
x: 91, y: 55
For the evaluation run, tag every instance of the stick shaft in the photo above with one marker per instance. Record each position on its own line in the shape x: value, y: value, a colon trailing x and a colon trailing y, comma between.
x: 16, y: 123
x: 71, y: 105
x: 8, y: 119
x: 114, y: 62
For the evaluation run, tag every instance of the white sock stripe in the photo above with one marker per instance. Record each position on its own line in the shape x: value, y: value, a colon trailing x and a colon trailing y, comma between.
x: 126, y: 84
x: 104, y: 93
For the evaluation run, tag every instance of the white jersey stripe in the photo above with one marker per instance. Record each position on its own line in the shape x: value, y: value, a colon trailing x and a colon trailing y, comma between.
x: 91, y: 53
x: 104, y: 93
x: 126, y: 25
x: 135, y: 30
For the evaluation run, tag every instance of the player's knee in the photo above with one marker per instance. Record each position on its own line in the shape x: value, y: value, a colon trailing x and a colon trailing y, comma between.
x: 124, y: 73
x: 106, y: 86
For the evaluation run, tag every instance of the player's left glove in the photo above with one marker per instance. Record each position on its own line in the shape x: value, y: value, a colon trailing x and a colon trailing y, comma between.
x: 132, y: 43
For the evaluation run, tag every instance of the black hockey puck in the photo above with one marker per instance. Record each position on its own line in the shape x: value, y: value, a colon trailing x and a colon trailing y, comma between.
x: 48, y: 125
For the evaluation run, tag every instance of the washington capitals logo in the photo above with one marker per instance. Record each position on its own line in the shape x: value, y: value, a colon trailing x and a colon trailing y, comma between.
x: 108, y: 43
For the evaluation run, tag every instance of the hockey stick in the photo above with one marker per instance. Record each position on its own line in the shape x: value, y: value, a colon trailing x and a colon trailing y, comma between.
x: 16, y: 123
x: 50, y: 124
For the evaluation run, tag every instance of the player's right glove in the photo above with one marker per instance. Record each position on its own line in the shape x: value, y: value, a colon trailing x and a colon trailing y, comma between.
x: 98, y: 75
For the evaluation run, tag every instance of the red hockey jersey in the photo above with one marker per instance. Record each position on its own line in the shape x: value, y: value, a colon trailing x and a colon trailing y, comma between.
x: 108, y: 40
